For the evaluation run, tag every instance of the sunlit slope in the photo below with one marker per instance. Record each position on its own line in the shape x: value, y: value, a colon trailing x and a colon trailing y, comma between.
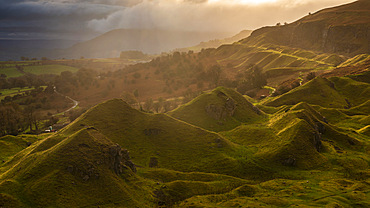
x: 317, y: 42
x: 219, y: 110
x: 81, y: 170
x: 278, y: 63
x: 11, y: 145
x: 334, y: 92
x: 271, y: 56
x: 174, y: 144
x: 278, y: 152
x: 340, y: 30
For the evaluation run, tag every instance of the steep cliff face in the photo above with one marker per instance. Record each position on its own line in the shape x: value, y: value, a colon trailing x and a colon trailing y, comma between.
x: 344, y: 30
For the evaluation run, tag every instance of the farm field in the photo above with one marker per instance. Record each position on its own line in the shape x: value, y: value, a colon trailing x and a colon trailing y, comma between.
x: 49, y: 69
x: 10, y: 72
x: 14, y: 91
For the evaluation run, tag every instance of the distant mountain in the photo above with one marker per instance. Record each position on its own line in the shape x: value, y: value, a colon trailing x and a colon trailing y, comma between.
x: 217, y: 42
x: 152, y: 41
x: 343, y: 30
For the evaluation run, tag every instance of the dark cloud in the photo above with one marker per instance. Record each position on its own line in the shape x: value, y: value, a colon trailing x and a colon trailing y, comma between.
x: 49, y: 17
x: 34, y: 10
x: 212, y: 15
x: 86, y: 18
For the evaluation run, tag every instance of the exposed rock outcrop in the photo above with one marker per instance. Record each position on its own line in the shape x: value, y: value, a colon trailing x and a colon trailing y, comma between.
x: 221, y: 112
x: 119, y: 159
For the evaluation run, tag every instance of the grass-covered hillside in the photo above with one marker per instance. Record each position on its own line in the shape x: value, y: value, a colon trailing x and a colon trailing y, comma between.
x: 218, y: 150
x: 335, y: 92
x: 220, y: 110
x: 301, y: 139
x: 338, y: 30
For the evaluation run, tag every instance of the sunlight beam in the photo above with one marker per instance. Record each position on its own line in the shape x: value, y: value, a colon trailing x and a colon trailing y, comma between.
x: 245, y: 2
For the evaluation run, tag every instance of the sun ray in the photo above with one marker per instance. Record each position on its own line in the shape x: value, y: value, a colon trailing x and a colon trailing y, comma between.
x: 252, y: 2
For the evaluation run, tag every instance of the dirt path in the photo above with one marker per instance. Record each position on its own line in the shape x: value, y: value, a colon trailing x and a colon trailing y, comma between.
x: 75, y: 102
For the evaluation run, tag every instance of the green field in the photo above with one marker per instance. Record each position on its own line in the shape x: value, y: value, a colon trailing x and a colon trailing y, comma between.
x: 11, y: 72
x: 43, y: 69
x: 49, y: 69
x: 14, y: 91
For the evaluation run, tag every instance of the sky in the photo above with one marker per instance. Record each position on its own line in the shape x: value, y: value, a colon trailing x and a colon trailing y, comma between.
x: 85, y: 19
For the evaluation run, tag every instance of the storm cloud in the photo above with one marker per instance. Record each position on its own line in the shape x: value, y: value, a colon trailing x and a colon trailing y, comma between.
x: 82, y: 19
x: 208, y: 15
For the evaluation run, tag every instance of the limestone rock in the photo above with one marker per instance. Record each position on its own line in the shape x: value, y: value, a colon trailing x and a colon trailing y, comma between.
x: 220, y: 112
x: 118, y: 158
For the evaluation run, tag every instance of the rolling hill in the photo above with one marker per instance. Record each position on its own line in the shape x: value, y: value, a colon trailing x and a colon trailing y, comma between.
x: 341, y: 30
x: 334, y: 92
x: 116, y: 156
x: 308, y: 147
x: 220, y: 110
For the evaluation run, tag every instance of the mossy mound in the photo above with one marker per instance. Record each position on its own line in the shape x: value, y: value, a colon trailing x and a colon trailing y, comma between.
x: 333, y: 93
x: 355, y: 93
x: 220, y: 110
x: 298, y: 138
x: 79, y: 171
x: 251, y: 135
x: 172, y: 143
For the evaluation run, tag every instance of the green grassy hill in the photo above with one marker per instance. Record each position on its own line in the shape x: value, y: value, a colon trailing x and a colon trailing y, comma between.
x: 172, y: 143
x: 275, y: 60
x: 220, y: 110
x: 309, y: 147
x: 78, y: 171
x: 11, y: 145
x: 333, y: 30
x: 334, y: 92
x: 291, y: 155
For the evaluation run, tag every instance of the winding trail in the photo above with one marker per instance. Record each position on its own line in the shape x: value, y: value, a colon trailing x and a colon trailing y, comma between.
x: 75, y: 102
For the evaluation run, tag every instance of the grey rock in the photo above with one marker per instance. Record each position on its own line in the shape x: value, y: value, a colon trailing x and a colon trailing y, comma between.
x: 118, y: 158
x: 220, y: 112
